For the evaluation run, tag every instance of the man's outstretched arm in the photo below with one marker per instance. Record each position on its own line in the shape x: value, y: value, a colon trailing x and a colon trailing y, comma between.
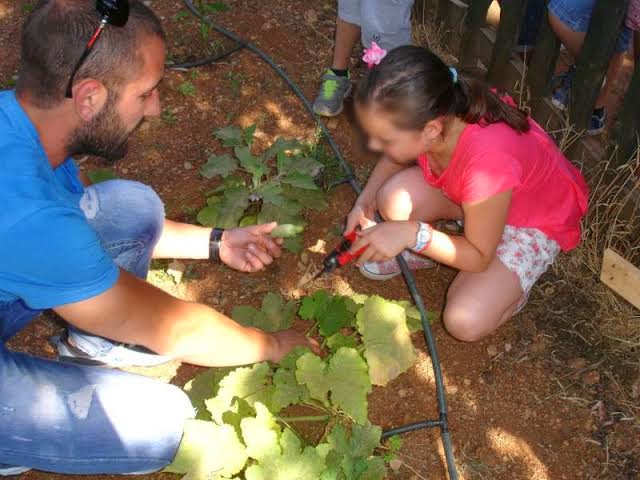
x: 134, y: 311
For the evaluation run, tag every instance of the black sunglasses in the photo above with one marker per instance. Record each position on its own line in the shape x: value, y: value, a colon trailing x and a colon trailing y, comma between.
x: 113, y: 12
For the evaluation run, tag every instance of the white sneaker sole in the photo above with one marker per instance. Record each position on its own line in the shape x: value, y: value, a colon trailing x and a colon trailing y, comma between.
x: 8, y: 471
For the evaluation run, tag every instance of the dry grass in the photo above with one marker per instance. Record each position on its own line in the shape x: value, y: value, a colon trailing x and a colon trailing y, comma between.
x: 587, y: 318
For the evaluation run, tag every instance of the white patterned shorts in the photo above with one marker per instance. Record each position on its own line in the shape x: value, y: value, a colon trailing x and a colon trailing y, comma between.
x: 527, y: 252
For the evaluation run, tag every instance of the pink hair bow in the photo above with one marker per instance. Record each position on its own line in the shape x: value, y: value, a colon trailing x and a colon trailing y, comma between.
x: 373, y: 55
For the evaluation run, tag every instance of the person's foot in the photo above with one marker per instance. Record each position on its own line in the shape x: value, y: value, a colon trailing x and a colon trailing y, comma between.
x: 84, y: 349
x: 333, y: 90
x: 7, y: 470
x: 390, y: 268
x: 562, y: 89
x: 598, y: 121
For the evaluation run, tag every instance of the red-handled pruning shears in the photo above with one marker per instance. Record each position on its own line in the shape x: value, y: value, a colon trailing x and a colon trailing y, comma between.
x: 341, y: 255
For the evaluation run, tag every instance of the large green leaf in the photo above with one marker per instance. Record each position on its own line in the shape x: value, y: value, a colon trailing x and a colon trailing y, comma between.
x: 281, y: 145
x: 248, y: 383
x: 231, y: 209
x: 209, y: 216
x: 273, y: 316
x: 230, y: 181
x: 388, y: 348
x: 231, y: 136
x: 289, y: 164
x: 353, y: 451
x: 339, y: 340
x: 196, y: 455
x: 335, y: 316
x: 287, y: 391
x: 293, y: 463
x: 252, y: 165
x: 300, y: 180
x: 272, y: 213
x: 345, y: 375
x: 293, y: 244
x: 247, y: 134
x: 349, y: 382
x: 261, y: 434
x: 311, y: 199
x: 312, y: 373
x: 221, y: 165
x: 203, y: 387
x: 314, y: 305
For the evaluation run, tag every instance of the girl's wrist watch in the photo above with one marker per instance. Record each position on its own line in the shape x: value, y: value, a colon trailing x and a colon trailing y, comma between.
x: 423, y: 237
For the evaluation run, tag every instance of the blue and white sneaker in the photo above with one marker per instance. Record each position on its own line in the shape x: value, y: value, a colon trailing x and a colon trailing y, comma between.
x: 85, y: 349
x: 8, y: 470
x: 598, y: 121
x: 562, y: 88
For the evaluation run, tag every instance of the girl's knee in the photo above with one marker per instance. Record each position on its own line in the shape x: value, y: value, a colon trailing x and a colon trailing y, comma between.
x: 464, y: 323
x: 393, y: 203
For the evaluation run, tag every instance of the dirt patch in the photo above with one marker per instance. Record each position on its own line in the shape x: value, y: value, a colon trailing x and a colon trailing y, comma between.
x: 526, y: 403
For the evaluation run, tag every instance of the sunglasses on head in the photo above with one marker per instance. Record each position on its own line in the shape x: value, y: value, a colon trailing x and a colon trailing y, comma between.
x: 113, y: 12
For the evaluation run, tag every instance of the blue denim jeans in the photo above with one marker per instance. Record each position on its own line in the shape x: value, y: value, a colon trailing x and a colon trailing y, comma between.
x: 71, y: 419
x: 576, y: 14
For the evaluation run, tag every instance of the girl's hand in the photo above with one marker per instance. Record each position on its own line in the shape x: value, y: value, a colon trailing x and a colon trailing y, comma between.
x: 385, y: 241
x: 362, y: 215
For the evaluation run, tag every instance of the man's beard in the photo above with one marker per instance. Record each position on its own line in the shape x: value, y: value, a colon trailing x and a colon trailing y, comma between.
x: 104, y: 136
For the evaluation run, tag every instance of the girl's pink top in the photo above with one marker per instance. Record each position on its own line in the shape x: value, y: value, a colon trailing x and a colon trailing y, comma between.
x: 548, y: 192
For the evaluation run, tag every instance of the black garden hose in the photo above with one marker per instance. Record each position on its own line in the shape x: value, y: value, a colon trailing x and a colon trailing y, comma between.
x: 442, y: 422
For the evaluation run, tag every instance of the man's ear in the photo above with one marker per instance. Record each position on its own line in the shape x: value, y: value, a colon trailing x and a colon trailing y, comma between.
x: 433, y: 129
x: 89, y: 98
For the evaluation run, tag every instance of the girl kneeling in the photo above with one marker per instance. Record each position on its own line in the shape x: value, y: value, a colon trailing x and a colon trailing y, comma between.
x: 452, y: 149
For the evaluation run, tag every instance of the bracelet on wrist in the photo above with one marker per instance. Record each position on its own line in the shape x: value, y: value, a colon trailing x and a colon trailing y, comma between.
x: 215, y: 241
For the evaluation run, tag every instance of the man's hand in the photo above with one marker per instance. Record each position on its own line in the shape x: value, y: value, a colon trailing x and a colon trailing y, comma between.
x: 287, y: 340
x: 249, y: 249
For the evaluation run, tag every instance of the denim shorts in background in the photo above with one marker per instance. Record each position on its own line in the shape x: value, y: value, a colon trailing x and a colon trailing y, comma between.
x: 576, y: 14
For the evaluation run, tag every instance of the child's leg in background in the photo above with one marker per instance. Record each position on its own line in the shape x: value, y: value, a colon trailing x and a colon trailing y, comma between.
x: 406, y: 196
x: 570, y: 21
x: 347, y: 33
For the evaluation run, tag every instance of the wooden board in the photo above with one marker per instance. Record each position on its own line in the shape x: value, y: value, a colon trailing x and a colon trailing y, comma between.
x: 621, y: 276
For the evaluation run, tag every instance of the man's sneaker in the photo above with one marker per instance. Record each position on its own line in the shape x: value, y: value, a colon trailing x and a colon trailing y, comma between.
x: 598, y: 121
x: 390, y: 268
x: 333, y: 90
x: 7, y: 470
x: 562, y: 88
x: 84, y: 349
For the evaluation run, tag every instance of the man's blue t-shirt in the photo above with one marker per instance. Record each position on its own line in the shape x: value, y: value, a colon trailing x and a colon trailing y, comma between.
x: 49, y: 254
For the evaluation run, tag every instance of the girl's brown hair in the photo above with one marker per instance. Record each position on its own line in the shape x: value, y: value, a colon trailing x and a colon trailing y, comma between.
x: 416, y: 86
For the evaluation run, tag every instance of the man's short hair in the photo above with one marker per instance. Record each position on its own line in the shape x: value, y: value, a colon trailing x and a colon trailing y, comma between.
x: 55, y: 35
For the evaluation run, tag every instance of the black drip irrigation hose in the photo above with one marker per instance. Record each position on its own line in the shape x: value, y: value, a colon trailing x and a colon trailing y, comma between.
x: 442, y: 422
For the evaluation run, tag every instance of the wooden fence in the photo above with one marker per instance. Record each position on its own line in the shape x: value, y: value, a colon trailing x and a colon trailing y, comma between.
x: 466, y: 32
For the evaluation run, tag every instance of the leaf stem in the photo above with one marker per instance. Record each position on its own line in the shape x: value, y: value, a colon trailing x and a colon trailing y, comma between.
x: 307, y: 418
x: 310, y: 331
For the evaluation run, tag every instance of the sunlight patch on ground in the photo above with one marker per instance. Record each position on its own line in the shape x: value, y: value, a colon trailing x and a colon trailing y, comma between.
x: 424, y: 367
x: 5, y: 10
x: 513, y: 449
x: 283, y: 121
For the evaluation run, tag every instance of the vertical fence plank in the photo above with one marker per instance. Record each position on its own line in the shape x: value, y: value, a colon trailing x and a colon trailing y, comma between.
x: 543, y: 63
x: 419, y: 11
x: 476, y: 18
x: 591, y: 66
x: 628, y: 124
x: 511, y: 16
x: 443, y: 12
